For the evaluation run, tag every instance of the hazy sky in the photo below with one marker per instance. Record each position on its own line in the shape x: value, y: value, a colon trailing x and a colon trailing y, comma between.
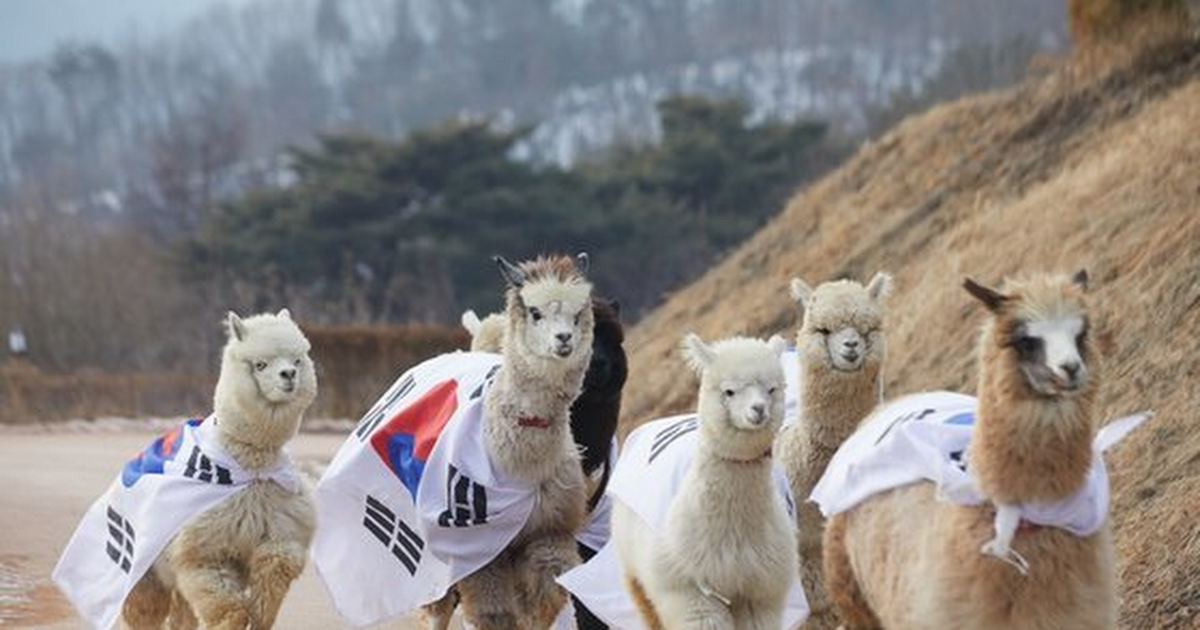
x: 31, y: 28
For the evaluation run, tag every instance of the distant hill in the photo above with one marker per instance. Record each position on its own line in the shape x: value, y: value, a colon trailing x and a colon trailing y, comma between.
x: 1071, y: 169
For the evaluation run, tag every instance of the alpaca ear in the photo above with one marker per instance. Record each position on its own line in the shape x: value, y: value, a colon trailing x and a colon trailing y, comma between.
x: 284, y: 314
x: 1081, y: 278
x: 777, y: 344
x: 801, y: 292
x: 512, y: 274
x: 471, y: 322
x: 698, y: 354
x: 993, y: 300
x: 235, y: 327
x: 880, y: 287
x: 582, y: 262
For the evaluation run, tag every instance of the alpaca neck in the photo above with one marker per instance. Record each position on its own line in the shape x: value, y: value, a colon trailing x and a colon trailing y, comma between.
x: 255, y: 437
x: 1027, y: 447
x: 834, y: 402
x: 526, y: 424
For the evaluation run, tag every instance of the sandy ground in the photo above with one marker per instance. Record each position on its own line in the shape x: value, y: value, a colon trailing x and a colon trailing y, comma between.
x: 47, y: 482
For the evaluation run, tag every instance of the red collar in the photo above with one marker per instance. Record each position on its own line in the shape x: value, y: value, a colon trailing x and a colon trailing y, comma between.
x: 533, y: 421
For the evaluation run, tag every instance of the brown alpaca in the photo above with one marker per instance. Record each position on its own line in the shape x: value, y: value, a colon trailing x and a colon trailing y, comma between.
x: 904, y: 560
x: 841, y: 348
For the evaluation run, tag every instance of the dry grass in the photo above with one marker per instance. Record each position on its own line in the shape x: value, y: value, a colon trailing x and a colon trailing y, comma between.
x: 1095, y: 169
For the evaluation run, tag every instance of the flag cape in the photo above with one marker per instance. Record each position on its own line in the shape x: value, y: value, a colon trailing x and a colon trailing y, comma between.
x: 411, y: 503
x: 179, y: 476
x: 924, y: 437
x: 655, y: 460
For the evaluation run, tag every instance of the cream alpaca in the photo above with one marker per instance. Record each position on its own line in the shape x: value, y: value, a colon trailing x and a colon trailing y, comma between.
x: 232, y: 565
x: 923, y: 563
x: 841, y: 348
x: 725, y: 557
x: 547, y: 345
x: 487, y: 335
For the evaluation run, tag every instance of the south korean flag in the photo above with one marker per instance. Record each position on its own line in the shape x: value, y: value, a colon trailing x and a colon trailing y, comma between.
x: 411, y: 503
x: 651, y: 468
x: 176, y: 478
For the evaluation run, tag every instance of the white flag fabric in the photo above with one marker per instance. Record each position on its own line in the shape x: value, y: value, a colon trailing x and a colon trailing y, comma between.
x: 179, y: 476
x: 411, y: 503
x: 790, y: 362
x: 924, y: 437
x: 653, y: 463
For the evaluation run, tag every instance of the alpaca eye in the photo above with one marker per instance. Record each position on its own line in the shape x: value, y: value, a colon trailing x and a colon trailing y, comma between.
x: 577, y: 318
x: 771, y: 391
x: 823, y: 331
x: 1026, y: 345
x: 729, y: 393
x: 297, y: 362
x: 260, y: 365
x: 535, y: 314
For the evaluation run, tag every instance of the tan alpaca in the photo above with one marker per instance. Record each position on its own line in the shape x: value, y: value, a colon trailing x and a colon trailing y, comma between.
x: 904, y: 560
x: 487, y: 334
x: 232, y: 565
x: 841, y: 348
x: 547, y: 346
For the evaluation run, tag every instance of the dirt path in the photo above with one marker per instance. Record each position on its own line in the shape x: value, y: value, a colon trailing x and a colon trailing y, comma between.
x: 47, y: 482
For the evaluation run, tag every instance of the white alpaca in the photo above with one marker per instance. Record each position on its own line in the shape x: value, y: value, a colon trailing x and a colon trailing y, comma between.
x: 547, y: 345
x: 487, y: 334
x: 841, y: 349
x: 725, y: 556
x: 905, y: 560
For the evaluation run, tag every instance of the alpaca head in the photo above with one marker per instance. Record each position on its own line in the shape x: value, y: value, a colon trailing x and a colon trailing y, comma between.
x: 1039, y: 331
x: 267, y: 379
x: 843, y: 322
x: 741, y: 392
x: 549, y: 309
x: 608, y: 369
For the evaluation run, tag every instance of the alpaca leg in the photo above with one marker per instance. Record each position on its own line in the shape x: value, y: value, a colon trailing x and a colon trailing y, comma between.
x: 840, y: 582
x: 273, y: 568
x: 216, y: 593
x: 489, y: 596
x: 540, y: 563
x: 148, y: 604
x: 643, y: 603
x: 808, y: 544
x: 691, y: 609
x: 437, y: 614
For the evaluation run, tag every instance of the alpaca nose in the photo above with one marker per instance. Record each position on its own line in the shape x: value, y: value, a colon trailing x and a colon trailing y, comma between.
x: 563, y: 337
x: 288, y: 374
x: 1071, y: 368
x: 760, y: 410
x: 851, y: 343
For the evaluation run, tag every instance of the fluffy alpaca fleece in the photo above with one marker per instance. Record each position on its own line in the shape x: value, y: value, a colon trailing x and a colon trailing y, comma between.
x: 841, y: 348
x: 726, y: 555
x: 547, y: 347
x: 233, y: 564
x: 904, y: 560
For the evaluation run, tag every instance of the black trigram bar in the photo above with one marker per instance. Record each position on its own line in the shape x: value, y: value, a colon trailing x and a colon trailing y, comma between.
x: 908, y: 417
x: 466, y: 501
x: 486, y: 380
x: 375, y: 415
x: 398, y: 537
x: 673, y: 432
x: 120, y: 544
x: 201, y: 468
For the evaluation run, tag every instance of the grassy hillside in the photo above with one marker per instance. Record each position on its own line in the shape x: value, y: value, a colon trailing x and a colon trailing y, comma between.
x: 1098, y: 170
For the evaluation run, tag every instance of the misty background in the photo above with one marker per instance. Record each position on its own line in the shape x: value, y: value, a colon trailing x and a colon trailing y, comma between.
x: 359, y: 161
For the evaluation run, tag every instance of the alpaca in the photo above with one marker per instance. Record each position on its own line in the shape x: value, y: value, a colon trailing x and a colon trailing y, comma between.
x: 724, y: 555
x: 594, y: 416
x: 211, y: 520
x: 903, y: 559
x: 841, y: 349
x: 595, y: 413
